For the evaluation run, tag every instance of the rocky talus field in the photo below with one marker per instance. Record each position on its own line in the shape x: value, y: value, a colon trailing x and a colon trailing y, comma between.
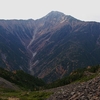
x: 89, y: 90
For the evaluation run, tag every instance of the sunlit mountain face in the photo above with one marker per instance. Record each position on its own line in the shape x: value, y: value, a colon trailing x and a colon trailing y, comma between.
x: 50, y: 47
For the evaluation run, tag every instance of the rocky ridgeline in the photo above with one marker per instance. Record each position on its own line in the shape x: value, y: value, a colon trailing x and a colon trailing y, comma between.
x: 78, y: 91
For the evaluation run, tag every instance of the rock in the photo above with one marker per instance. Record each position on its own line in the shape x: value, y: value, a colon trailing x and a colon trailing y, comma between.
x: 78, y: 91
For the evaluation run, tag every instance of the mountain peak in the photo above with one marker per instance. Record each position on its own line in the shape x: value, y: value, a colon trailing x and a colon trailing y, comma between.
x: 59, y: 16
x: 55, y: 13
x: 55, y: 18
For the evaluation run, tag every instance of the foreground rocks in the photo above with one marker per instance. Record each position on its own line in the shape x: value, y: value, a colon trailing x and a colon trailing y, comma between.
x: 78, y: 91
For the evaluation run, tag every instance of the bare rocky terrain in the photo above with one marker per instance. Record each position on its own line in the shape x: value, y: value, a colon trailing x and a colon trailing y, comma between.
x: 89, y: 90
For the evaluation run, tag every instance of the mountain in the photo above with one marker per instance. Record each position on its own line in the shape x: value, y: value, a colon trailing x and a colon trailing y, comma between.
x: 50, y: 47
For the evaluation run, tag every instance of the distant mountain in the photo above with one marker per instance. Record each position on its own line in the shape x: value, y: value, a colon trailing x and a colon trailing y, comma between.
x: 50, y: 47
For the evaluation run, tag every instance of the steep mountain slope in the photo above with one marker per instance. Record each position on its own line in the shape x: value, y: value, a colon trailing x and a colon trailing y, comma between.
x: 50, y: 47
x: 68, y: 45
x: 15, y: 36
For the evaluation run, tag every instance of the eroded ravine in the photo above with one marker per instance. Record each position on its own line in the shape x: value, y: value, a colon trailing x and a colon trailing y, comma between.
x: 32, y: 52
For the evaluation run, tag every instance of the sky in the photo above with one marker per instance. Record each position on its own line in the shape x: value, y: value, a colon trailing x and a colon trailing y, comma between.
x: 86, y: 10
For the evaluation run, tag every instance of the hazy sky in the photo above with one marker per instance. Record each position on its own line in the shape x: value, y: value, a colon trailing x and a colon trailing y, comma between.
x: 25, y: 9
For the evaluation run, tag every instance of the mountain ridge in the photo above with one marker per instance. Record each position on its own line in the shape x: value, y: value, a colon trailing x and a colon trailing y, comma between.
x: 50, y: 47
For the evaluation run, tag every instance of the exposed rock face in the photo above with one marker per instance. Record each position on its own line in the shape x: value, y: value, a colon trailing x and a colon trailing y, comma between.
x: 50, y: 47
x: 78, y: 91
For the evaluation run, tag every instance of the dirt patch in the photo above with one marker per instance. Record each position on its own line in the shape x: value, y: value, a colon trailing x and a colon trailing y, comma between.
x: 12, y: 98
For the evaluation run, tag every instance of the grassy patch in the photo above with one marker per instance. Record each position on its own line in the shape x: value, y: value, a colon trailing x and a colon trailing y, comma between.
x: 84, y: 79
x: 24, y: 95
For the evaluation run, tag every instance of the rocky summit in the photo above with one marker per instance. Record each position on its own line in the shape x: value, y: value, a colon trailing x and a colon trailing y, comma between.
x: 50, y: 47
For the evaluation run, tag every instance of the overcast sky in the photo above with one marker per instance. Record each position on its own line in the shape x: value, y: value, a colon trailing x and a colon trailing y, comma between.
x: 87, y: 10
